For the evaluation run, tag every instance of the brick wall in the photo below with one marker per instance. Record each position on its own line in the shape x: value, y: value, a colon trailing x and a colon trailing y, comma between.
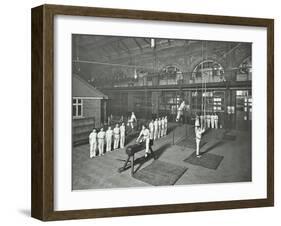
x: 92, y: 108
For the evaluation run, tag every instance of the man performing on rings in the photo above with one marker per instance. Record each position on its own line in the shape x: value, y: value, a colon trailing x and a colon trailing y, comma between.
x: 180, y: 111
x: 145, y: 137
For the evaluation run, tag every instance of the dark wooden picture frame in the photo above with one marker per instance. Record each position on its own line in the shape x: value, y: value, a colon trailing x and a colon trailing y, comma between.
x: 42, y: 203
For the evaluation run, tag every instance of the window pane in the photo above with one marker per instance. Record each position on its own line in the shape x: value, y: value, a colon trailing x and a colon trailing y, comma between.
x: 79, y: 101
x: 73, y: 110
x: 79, y: 111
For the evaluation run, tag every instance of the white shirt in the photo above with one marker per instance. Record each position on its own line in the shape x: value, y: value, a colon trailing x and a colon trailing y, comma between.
x: 133, y: 118
x: 122, y: 130
x: 156, y: 124
x: 116, y: 131
x: 216, y: 117
x: 101, y: 135
x: 93, y: 137
x: 109, y: 133
x: 145, y: 133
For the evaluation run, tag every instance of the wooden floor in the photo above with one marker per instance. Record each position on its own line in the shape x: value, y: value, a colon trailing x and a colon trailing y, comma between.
x: 102, y: 172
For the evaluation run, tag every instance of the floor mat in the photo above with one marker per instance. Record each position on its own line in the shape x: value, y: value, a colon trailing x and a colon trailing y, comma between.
x: 160, y: 173
x: 190, y: 143
x: 207, y: 160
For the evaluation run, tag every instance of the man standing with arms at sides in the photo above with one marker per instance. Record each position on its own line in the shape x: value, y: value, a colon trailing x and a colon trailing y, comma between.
x: 162, y: 127
x: 101, y: 136
x: 166, y: 125
x: 116, y: 134
x: 155, y: 129
x: 208, y: 121
x: 198, y: 136
x: 108, y: 135
x: 159, y: 128
x: 122, y: 135
x: 213, y: 121
x: 151, y: 129
x: 93, y: 143
x: 216, y: 117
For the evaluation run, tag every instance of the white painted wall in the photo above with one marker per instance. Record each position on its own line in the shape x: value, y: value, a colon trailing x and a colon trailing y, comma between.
x: 15, y: 112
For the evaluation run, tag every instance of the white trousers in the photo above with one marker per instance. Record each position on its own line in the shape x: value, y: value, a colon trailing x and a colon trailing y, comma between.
x: 165, y: 131
x: 146, y: 145
x: 216, y: 124
x: 162, y: 131
x: 198, y: 146
x: 122, y: 141
x: 212, y: 124
x: 155, y: 134
x: 159, y: 133
x: 208, y: 123
x: 93, y: 148
x: 116, y: 141
x: 101, y: 146
x: 108, y: 144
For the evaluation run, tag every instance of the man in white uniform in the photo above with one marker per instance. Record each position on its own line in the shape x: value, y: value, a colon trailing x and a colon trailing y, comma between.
x: 93, y: 143
x: 198, y: 135
x: 197, y: 122
x: 122, y: 135
x: 162, y: 127
x: 213, y: 121
x: 151, y: 129
x: 159, y: 128
x: 216, y: 117
x: 144, y: 134
x: 208, y: 120
x: 155, y: 129
x: 132, y: 119
x: 116, y: 134
x: 108, y: 135
x: 101, y: 136
x: 166, y: 125
x: 180, y: 111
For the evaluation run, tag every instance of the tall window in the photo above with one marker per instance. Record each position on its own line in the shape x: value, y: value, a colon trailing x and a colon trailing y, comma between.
x: 77, y: 107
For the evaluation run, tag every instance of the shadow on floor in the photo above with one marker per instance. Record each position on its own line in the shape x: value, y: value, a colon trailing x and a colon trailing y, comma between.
x: 157, y: 154
x: 216, y: 144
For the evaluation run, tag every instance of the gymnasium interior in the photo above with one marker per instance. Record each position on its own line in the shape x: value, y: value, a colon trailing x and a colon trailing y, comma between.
x: 113, y: 76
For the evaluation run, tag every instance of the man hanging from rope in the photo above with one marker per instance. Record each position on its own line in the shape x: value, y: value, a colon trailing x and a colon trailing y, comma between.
x: 131, y: 120
x: 180, y: 110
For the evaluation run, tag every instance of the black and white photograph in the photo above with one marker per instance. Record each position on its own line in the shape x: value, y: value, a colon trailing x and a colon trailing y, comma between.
x: 160, y: 112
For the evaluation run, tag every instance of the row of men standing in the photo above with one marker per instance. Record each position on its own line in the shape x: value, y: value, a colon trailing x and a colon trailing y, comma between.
x: 98, y: 140
x: 209, y: 121
x: 158, y: 128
